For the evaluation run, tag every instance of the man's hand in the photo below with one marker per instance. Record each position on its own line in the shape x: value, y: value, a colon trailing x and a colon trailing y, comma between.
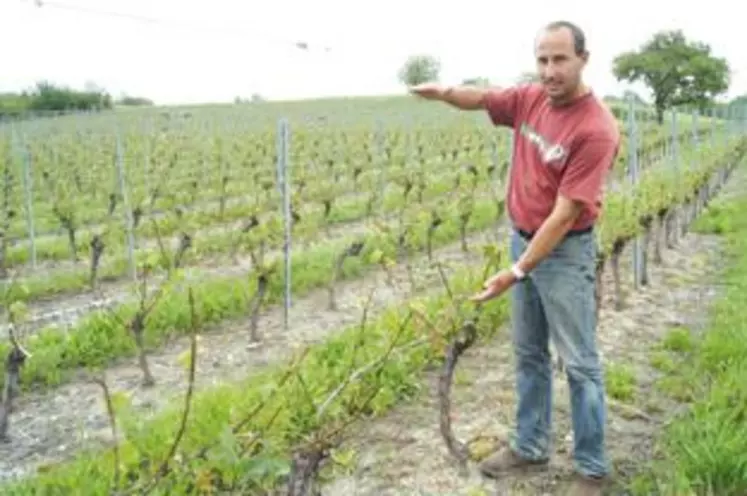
x: 429, y: 91
x: 461, y: 97
x: 495, y: 286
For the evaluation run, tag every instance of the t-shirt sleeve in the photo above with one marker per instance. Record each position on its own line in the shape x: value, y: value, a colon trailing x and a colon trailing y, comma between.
x: 587, y: 168
x: 503, y: 105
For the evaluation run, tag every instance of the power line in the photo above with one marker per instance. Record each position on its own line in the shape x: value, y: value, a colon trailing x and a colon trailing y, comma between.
x: 168, y: 23
x: 346, y: 48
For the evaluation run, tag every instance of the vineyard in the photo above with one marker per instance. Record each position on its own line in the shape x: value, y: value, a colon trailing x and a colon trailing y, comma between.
x: 205, y: 301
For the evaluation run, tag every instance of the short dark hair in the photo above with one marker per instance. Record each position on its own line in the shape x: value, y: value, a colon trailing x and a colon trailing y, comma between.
x: 579, y: 38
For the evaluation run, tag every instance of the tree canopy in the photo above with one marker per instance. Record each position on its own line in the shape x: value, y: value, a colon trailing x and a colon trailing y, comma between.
x: 419, y: 69
x: 47, y: 97
x: 676, y: 70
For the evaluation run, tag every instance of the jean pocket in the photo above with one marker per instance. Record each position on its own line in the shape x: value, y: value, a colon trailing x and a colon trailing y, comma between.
x: 578, y: 254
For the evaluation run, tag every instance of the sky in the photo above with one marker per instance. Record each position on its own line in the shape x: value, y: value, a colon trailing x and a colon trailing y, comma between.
x: 216, y: 50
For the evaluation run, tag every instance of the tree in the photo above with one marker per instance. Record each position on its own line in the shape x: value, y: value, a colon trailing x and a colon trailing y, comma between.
x: 47, y: 97
x: 420, y: 69
x: 677, y: 71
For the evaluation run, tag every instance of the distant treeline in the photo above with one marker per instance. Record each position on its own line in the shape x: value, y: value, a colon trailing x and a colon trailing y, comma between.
x: 47, y: 98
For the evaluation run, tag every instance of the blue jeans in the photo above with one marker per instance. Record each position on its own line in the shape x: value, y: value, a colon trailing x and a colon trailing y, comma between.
x: 557, y: 300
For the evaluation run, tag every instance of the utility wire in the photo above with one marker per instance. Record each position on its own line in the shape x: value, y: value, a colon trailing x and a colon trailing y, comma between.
x: 344, y: 49
x: 298, y: 44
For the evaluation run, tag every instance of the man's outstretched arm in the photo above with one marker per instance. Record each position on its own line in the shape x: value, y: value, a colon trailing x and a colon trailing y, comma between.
x: 466, y: 97
x: 501, y: 104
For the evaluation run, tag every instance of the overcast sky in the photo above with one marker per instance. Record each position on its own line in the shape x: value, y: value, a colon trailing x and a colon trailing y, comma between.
x: 215, y: 50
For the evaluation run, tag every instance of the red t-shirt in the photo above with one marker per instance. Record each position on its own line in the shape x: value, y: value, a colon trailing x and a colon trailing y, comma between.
x: 557, y: 150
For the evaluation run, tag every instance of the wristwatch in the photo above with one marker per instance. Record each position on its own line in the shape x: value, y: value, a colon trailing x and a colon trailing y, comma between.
x: 516, y: 271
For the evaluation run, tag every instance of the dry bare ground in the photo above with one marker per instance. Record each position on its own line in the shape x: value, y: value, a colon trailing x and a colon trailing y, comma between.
x: 403, y: 452
x: 50, y: 426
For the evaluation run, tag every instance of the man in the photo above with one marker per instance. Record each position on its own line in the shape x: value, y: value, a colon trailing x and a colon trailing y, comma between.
x: 565, y: 143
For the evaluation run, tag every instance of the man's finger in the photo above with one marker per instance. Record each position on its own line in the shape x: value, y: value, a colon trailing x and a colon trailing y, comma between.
x: 483, y: 296
x: 490, y: 281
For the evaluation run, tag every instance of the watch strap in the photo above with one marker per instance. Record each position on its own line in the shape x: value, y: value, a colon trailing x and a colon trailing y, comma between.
x: 518, y: 272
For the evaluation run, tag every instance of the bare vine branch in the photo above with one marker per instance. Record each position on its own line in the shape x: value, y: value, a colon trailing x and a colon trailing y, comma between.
x: 163, y: 468
x: 101, y: 381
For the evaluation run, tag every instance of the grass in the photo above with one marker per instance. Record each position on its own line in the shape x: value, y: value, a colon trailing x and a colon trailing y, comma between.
x: 704, y: 451
x: 619, y: 381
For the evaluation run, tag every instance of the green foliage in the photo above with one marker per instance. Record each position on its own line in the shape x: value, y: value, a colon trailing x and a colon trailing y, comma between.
x: 676, y: 70
x: 13, y: 104
x: 620, y: 381
x: 737, y: 105
x: 736, y: 108
x: 66, y: 155
x: 702, y: 451
x: 420, y: 69
x: 47, y: 97
x: 134, y: 101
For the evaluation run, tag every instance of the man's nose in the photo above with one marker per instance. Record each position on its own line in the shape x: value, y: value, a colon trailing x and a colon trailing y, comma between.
x: 549, y: 70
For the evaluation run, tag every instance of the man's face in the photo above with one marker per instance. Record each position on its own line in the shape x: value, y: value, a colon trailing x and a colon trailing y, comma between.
x: 558, y: 66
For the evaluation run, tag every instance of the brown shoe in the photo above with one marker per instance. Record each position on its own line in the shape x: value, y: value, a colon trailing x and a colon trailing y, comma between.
x: 585, y: 486
x: 506, y: 459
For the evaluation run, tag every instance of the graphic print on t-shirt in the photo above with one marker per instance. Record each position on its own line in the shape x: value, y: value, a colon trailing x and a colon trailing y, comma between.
x: 551, y: 153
